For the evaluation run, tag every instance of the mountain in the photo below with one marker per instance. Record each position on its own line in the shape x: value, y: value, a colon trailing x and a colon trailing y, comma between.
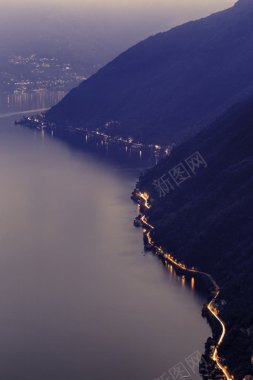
x: 205, y: 218
x: 169, y: 86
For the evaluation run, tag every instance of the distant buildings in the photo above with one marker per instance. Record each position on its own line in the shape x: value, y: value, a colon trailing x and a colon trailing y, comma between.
x: 24, y: 74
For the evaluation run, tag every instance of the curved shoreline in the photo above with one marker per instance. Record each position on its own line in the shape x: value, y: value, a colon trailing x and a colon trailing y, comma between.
x: 143, y: 200
x: 16, y: 113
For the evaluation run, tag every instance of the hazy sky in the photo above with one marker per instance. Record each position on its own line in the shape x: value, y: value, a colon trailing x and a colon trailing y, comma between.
x: 180, y: 8
x: 146, y: 16
x: 104, y: 28
x: 126, y: 3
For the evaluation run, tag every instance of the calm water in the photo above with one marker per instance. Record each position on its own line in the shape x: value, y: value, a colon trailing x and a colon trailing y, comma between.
x: 78, y: 298
x: 25, y: 101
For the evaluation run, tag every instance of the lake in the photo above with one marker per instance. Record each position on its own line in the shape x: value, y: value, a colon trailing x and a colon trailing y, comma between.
x: 79, y: 298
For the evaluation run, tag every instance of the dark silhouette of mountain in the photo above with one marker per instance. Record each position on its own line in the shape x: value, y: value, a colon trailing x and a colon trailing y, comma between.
x: 169, y: 86
x: 207, y: 221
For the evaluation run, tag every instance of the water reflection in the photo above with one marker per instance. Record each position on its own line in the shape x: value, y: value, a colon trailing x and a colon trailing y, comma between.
x: 193, y: 283
x: 123, y: 154
x: 25, y: 101
x: 41, y: 100
x: 75, y: 290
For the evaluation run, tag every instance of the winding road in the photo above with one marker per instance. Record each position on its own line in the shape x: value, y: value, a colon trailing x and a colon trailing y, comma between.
x: 144, y: 197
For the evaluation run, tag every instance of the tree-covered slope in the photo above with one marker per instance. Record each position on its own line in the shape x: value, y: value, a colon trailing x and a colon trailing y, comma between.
x: 170, y: 85
x: 206, y: 219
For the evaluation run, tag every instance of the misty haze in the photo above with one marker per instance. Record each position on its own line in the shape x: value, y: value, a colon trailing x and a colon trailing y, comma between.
x: 126, y: 190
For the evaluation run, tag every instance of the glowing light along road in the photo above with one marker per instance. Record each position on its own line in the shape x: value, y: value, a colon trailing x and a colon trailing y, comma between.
x: 144, y: 221
x: 145, y: 197
x: 213, y: 311
x: 215, y: 356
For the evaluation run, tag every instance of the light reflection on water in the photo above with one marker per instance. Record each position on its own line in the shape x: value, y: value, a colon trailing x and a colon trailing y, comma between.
x: 26, y: 101
x: 42, y: 100
x: 78, y: 298
x: 194, y: 283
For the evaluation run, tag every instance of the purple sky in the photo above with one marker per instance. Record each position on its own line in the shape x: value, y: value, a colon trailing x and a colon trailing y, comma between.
x: 112, y: 24
x: 152, y: 15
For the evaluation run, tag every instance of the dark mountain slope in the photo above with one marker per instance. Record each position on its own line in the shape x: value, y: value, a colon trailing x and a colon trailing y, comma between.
x: 202, y: 206
x: 168, y: 86
x: 207, y: 221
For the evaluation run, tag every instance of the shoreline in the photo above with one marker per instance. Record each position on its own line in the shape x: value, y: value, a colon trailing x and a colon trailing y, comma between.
x: 210, y: 311
x: 38, y: 122
x: 16, y: 113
